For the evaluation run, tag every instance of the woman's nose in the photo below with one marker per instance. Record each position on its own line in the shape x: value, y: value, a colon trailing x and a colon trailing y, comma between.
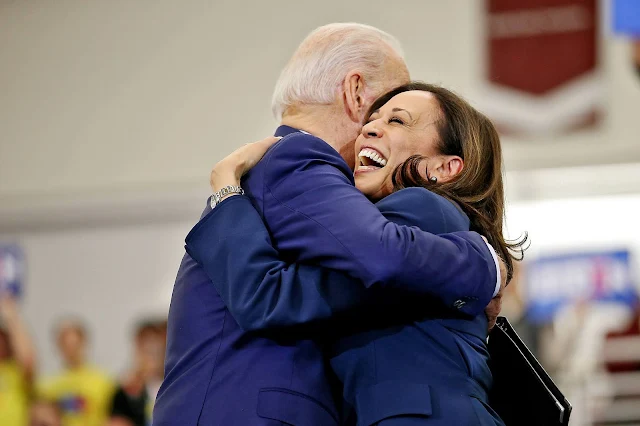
x: 371, y: 130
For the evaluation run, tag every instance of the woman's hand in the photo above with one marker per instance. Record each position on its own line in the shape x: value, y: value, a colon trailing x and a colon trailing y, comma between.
x: 230, y: 170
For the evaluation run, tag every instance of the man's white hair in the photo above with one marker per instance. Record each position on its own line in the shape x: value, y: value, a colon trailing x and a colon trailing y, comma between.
x: 318, y: 67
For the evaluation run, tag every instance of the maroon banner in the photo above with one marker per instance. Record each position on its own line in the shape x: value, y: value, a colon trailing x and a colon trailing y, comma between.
x: 542, y: 61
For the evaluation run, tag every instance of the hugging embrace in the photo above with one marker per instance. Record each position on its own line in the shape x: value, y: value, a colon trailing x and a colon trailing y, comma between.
x: 347, y: 270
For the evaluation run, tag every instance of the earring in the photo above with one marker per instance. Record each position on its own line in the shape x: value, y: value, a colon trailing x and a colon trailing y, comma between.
x: 433, y: 179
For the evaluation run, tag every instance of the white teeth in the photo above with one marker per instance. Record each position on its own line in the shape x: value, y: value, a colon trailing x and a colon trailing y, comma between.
x: 373, y: 155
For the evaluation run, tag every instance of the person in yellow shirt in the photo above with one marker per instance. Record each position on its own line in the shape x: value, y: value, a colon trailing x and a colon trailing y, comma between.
x: 17, y: 364
x: 82, y: 392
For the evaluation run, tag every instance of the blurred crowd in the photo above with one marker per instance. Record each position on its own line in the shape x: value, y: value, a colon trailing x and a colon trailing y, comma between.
x: 80, y: 394
x: 592, y: 350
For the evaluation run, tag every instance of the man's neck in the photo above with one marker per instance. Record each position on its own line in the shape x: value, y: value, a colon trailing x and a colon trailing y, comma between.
x: 321, y: 121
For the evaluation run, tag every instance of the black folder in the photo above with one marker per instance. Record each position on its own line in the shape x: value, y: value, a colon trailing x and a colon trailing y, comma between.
x: 523, y: 394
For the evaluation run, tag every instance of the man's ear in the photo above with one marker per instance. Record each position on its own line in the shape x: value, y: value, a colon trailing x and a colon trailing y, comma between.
x: 450, y: 166
x: 354, y: 100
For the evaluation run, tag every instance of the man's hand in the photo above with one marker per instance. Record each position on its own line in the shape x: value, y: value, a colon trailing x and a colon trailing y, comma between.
x: 493, y: 309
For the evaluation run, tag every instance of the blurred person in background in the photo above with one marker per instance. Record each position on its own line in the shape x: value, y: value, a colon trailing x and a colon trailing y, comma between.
x: 514, y: 308
x: 44, y: 413
x: 571, y: 347
x: 134, y: 398
x: 82, y: 392
x: 17, y: 364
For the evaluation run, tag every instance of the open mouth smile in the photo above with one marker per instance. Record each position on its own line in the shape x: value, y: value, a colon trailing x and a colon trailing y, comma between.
x: 370, y: 159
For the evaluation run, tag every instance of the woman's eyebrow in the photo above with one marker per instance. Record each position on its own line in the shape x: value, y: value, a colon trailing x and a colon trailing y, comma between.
x: 403, y: 110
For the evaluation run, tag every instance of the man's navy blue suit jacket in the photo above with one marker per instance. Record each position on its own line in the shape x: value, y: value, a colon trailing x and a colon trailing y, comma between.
x: 220, y: 372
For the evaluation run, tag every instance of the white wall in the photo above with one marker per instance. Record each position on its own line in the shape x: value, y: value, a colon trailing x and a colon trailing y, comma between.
x: 114, y: 95
x: 578, y: 224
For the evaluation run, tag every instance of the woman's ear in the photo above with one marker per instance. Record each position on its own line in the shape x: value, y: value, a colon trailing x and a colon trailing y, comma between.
x: 354, y: 101
x: 450, y: 166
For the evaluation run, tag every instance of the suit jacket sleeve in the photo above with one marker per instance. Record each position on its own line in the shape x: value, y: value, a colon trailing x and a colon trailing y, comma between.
x: 317, y: 216
x: 259, y: 289
x: 263, y: 292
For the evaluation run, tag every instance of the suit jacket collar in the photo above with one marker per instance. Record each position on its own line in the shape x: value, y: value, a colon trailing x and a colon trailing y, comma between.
x: 285, y: 130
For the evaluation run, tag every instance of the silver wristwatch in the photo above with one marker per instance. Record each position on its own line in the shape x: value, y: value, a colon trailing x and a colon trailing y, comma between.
x: 218, y: 196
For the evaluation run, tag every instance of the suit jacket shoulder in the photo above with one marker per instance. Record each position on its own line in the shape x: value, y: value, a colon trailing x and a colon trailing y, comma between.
x: 296, y: 153
x: 420, y: 207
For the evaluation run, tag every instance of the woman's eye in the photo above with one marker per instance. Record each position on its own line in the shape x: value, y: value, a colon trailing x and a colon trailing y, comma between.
x: 396, y: 120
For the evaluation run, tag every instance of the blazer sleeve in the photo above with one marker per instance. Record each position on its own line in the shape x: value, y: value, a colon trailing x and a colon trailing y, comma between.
x: 263, y: 292
x: 321, y: 218
x: 317, y: 216
x: 260, y: 290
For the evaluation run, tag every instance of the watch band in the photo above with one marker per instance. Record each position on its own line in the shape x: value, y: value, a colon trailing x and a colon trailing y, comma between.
x: 217, y: 197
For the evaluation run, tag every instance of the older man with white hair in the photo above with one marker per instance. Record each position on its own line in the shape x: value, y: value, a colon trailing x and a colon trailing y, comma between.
x: 221, y: 368
x: 333, y: 78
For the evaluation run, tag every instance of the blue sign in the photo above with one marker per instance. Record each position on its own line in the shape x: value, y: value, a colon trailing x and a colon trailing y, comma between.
x: 11, y: 270
x: 552, y: 282
x: 626, y: 17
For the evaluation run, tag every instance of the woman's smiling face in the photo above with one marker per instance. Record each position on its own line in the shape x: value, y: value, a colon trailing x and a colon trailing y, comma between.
x: 404, y: 126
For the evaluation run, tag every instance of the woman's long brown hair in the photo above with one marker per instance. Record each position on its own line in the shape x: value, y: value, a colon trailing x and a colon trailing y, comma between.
x: 478, y: 188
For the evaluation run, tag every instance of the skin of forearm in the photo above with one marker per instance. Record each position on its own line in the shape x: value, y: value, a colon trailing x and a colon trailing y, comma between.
x: 20, y: 341
x: 222, y: 177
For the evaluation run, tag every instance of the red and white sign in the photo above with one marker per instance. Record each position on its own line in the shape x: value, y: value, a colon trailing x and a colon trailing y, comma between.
x: 542, y: 65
